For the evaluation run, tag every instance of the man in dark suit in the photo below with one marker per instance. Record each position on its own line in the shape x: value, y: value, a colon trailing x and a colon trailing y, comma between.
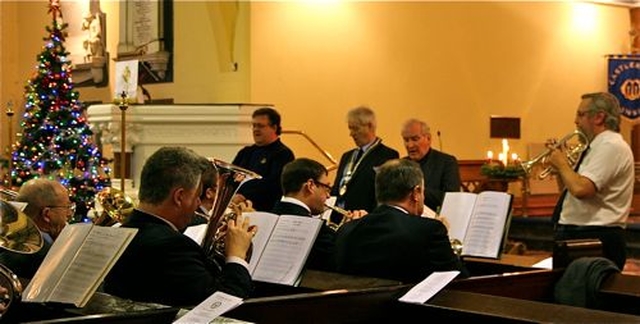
x: 306, y: 188
x: 441, y: 172
x: 371, y: 246
x: 162, y: 265
x: 354, y: 184
x: 267, y: 156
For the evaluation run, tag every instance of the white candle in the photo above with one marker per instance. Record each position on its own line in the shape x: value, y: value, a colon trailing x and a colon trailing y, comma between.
x: 505, y: 151
x: 490, y: 155
x: 514, y: 157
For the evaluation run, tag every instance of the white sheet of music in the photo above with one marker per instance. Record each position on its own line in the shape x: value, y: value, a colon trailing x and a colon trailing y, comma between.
x: 487, y: 227
x: 212, y: 307
x: 457, y: 208
x: 77, y: 263
x: 287, y: 250
x: 196, y: 232
x: 93, y: 260
x: 265, y: 222
x: 428, y: 287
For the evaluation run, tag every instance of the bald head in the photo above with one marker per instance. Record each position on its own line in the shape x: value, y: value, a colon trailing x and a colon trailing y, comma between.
x: 40, y: 193
x: 48, y: 204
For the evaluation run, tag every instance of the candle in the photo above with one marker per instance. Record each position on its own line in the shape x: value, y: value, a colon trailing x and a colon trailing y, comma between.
x: 490, y: 155
x: 514, y: 157
x: 501, y: 158
x: 505, y: 152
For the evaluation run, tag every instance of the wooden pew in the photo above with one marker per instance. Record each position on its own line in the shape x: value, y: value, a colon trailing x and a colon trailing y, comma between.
x: 452, y: 304
x: 524, y: 297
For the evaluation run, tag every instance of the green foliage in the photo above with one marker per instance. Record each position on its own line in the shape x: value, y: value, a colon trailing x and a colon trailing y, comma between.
x: 499, y: 171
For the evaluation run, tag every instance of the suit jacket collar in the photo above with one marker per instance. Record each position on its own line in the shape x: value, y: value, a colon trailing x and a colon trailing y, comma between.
x: 288, y: 208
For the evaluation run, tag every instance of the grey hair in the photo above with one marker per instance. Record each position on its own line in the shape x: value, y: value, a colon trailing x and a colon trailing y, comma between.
x: 395, y: 179
x: 426, y: 130
x: 168, y: 168
x: 362, y: 115
x: 607, y: 103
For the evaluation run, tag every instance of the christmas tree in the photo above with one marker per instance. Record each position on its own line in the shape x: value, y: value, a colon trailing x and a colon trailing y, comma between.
x: 56, y: 140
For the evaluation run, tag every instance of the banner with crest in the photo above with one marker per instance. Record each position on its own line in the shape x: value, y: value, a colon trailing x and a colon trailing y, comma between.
x: 624, y: 82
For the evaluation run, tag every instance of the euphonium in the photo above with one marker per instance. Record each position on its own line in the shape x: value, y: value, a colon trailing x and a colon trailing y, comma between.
x: 572, y: 151
x: 230, y: 177
x: 116, y: 207
x: 18, y: 235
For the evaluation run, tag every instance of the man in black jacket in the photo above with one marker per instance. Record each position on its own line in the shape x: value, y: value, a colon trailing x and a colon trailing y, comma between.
x: 441, y: 172
x: 306, y: 188
x: 354, y: 185
x: 162, y: 265
x: 371, y: 246
x: 266, y: 157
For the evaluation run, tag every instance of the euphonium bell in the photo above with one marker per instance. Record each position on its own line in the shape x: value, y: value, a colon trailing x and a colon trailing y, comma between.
x: 18, y: 234
x: 572, y: 150
x: 116, y: 207
x: 230, y: 178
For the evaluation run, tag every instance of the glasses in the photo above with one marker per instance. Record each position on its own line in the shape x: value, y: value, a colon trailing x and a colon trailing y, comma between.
x: 259, y: 126
x: 71, y: 207
x: 582, y: 113
x: 326, y: 187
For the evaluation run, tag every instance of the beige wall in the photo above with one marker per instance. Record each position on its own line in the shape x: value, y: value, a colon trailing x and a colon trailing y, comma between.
x: 452, y: 64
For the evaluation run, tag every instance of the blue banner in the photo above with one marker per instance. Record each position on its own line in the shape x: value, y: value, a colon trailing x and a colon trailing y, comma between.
x: 624, y: 83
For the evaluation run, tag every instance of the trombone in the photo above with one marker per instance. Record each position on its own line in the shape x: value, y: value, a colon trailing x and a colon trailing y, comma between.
x: 573, y: 153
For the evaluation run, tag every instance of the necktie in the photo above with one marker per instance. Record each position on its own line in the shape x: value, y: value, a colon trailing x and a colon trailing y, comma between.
x: 555, y: 217
x: 359, y: 155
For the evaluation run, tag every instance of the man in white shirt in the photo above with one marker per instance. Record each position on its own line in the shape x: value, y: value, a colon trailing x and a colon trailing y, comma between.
x: 599, y: 192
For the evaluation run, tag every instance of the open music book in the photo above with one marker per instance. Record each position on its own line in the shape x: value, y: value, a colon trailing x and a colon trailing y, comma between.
x: 280, y: 248
x: 480, y: 221
x: 77, y: 263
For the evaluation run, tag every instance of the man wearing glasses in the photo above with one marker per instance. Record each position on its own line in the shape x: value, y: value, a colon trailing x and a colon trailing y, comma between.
x: 50, y: 208
x: 266, y: 157
x: 306, y: 187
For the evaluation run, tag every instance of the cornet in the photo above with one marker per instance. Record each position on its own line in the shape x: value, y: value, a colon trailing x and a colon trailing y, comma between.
x: 573, y: 153
x: 345, y: 217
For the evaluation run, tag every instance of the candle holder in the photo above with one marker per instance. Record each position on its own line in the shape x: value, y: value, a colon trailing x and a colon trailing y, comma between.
x: 498, y: 171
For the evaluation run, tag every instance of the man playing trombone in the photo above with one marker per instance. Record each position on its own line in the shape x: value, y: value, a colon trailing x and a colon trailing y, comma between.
x: 597, y: 193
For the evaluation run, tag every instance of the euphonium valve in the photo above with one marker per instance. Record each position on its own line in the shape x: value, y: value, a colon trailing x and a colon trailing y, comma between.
x: 573, y: 144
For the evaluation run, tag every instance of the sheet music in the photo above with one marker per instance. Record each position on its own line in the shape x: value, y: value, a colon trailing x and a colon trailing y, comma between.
x: 93, y: 260
x: 265, y: 222
x: 77, y: 263
x: 428, y: 287
x: 287, y: 250
x: 457, y: 208
x: 54, y: 263
x: 487, y: 227
x: 214, y: 306
x: 196, y: 232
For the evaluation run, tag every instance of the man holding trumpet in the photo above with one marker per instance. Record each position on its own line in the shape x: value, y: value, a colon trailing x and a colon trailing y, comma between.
x: 598, y: 189
x: 306, y: 188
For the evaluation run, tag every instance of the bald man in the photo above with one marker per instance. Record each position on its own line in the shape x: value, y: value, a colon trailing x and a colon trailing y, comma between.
x: 50, y: 208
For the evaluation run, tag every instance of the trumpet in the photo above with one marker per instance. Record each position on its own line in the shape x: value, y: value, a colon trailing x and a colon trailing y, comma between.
x: 573, y: 153
x: 346, y: 215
